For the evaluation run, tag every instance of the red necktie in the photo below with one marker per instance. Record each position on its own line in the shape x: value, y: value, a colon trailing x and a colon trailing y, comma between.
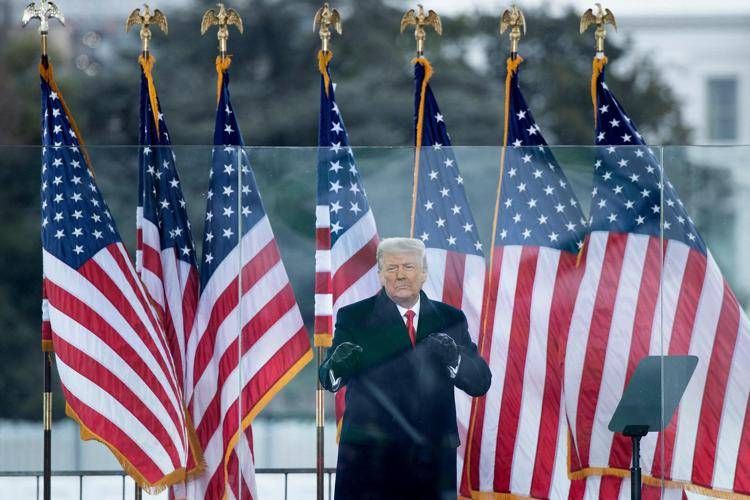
x: 410, y: 326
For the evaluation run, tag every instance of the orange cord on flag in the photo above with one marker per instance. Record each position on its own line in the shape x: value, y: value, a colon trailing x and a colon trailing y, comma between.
x: 418, y: 143
x: 597, y: 67
x: 45, y: 71
x: 147, y: 64
x: 222, y: 65
x: 323, y: 59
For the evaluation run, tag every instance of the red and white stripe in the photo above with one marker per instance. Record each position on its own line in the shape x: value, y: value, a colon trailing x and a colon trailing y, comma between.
x: 519, y: 428
x: 221, y: 364
x: 344, y: 274
x: 241, y: 469
x: 639, y: 298
x: 616, y: 488
x: 351, y: 262
x: 116, y: 370
x: 458, y: 279
x: 171, y: 283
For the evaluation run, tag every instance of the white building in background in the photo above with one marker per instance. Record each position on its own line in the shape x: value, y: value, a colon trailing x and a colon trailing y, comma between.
x: 705, y: 59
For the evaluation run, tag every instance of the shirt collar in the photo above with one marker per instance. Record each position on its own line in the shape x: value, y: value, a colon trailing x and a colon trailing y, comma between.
x: 415, y: 308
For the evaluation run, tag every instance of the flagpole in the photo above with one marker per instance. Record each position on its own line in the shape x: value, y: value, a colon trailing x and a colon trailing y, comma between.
x: 44, y: 11
x: 326, y: 18
x: 47, y: 425
x: 419, y: 20
x: 146, y: 18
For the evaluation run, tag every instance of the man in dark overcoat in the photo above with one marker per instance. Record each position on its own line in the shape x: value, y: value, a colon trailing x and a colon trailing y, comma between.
x: 400, y: 355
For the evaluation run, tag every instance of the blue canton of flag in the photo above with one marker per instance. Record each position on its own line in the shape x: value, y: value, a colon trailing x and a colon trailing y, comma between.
x: 443, y: 218
x: 159, y: 192
x: 76, y: 222
x: 628, y: 181
x: 342, y: 186
x: 537, y: 204
x: 225, y: 193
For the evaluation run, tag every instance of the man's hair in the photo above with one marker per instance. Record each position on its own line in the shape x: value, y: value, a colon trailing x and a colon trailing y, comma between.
x: 401, y: 245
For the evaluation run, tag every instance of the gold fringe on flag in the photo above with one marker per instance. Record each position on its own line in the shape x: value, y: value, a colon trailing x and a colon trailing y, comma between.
x: 258, y: 407
x: 173, y: 477
x: 322, y: 340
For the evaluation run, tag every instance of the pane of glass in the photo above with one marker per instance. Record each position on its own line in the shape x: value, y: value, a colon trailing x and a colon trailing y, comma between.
x: 622, y: 299
x: 706, y: 317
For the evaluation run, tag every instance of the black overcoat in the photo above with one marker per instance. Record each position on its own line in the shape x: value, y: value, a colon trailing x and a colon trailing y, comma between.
x: 399, y: 434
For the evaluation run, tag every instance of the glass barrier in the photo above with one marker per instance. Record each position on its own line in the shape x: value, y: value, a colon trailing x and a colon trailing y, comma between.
x: 577, y: 265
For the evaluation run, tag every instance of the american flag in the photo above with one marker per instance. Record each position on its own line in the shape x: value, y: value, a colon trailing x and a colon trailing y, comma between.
x: 115, y: 367
x: 241, y: 352
x: 639, y: 294
x: 165, y: 257
x: 442, y: 219
x: 519, y: 436
x: 346, y: 237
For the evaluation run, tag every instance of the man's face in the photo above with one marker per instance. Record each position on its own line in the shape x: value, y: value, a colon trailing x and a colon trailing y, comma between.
x: 402, y: 275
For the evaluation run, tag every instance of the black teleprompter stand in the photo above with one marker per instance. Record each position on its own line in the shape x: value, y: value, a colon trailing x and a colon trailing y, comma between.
x: 649, y: 402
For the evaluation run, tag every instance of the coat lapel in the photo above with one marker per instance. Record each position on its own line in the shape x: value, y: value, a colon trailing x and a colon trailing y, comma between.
x: 390, y: 324
x: 429, y: 320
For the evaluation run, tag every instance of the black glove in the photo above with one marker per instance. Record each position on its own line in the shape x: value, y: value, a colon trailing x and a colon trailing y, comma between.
x: 344, y: 360
x: 443, y: 348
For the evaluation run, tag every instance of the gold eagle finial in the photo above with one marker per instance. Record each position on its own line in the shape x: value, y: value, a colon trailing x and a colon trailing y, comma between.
x: 324, y: 18
x: 420, y: 20
x: 146, y: 18
x: 44, y: 11
x: 223, y: 19
x: 600, y: 19
x: 513, y: 18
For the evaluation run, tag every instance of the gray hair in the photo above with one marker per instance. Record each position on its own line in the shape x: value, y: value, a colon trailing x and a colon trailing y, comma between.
x: 401, y: 245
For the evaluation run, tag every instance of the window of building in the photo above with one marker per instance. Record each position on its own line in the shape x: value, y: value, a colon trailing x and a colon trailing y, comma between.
x: 722, y: 109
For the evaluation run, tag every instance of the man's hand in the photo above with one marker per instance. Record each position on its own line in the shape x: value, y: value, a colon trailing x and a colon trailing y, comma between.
x: 345, y: 359
x: 443, y: 348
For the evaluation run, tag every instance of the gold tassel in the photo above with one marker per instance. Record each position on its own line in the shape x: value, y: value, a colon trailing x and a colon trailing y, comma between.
x: 222, y: 65
x: 420, y: 125
x: 148, y: 65
x: 596, y: 69
x: 323, y: 59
